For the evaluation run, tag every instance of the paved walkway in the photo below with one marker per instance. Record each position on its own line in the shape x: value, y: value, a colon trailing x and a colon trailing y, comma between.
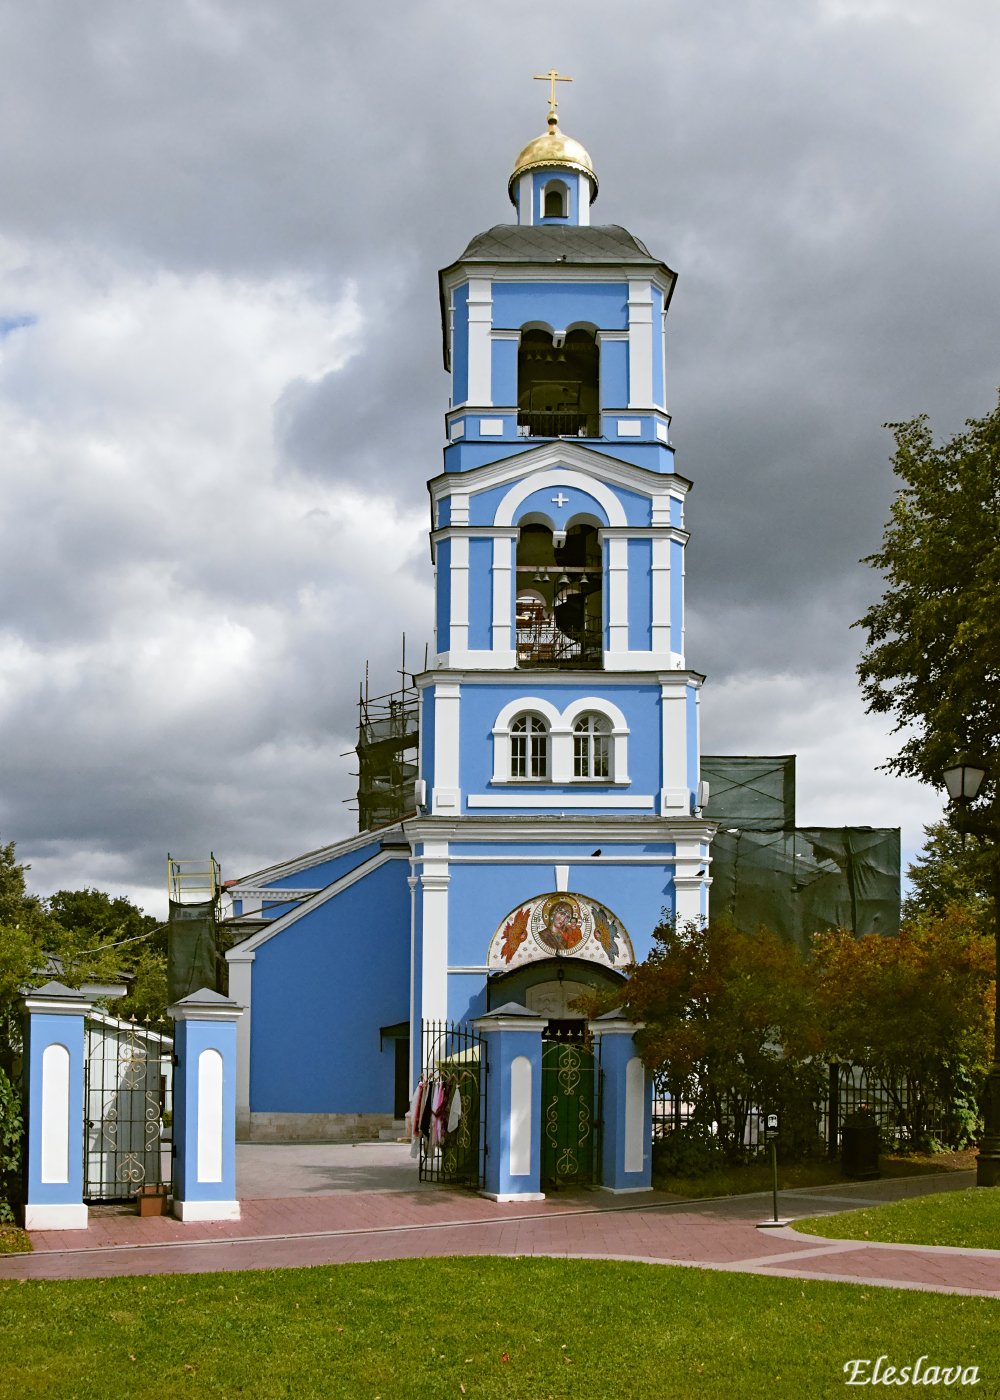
x: 339, y: 1225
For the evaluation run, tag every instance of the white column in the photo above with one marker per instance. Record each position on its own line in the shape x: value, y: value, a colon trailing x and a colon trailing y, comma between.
x: 691, y: 879
x: 480, y: 346
x: 446, y: 796
x: 640, y: 344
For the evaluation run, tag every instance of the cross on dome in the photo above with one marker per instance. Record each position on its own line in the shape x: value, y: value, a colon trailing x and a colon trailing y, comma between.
x: 552, y: 77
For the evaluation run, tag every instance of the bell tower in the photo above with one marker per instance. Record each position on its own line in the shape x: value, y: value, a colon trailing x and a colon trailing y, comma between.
x: 559, y: 718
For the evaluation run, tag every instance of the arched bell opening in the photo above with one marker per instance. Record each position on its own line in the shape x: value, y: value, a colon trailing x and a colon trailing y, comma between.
x: 558, y: 384
x: 549, y: 987
x: 560, y: 606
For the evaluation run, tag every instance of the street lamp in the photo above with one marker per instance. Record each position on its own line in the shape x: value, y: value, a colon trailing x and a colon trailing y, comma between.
x: 963, y: 778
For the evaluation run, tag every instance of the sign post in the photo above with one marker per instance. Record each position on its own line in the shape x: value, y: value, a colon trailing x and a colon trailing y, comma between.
x: 771, y: 1130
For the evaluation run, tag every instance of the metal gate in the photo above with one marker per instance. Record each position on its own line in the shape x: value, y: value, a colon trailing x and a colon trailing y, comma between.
x: 128, y: 1073
x: 452, y: 1107
x: 571, y: 1114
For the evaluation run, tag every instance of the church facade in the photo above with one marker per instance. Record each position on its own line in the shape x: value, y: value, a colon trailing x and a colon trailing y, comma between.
x: 558, y: 809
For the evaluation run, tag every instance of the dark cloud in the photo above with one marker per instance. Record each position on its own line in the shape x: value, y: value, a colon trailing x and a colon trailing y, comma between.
x: 221, y: 390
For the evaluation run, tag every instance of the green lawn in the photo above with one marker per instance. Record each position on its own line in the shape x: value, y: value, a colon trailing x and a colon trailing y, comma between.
x: 527, y: 1329
x: 969, y: 1219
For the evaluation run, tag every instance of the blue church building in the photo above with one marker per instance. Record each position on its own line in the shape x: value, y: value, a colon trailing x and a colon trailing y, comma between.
x: 557, y: 808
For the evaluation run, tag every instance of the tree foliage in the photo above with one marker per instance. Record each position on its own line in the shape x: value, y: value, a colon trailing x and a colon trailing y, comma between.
x: 932, y: 658
x: 951, y: 869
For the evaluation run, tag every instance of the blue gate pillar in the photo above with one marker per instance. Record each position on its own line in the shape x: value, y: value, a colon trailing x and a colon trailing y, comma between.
x: 53, y: 1067
x: 204, y: 1186
x: 626, y: 1149
x: 513, y: 1036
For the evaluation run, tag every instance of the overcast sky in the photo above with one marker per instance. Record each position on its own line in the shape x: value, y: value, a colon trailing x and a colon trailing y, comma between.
x: 221, y: 389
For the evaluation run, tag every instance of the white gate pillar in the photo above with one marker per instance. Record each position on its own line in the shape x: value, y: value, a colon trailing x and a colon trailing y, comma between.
x: 205, y: 1107
x: 627, y: 1146
x: 54, y: 1065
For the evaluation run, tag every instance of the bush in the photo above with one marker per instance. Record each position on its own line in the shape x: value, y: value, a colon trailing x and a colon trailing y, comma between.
x: 11, y: 1148
x: 693, y: 1150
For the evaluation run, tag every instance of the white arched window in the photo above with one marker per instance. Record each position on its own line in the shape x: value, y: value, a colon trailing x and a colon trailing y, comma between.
x: 592, y: 747
x: 529, y: 747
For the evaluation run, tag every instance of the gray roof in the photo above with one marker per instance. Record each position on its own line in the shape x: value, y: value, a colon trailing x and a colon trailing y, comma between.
x: 601, y: 243
x: 594, y: 244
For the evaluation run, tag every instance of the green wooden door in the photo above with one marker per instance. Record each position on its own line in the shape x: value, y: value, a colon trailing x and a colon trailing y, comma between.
x: 569, y: 1114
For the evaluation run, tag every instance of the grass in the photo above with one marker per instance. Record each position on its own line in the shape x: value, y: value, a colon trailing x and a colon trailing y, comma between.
x: 14, y: 1240
x: 969, y: 1219
x: 527, y: 1329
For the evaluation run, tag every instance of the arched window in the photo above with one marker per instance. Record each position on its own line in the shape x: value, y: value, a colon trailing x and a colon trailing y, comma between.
x: 592, y: 747
x: 556, y: 200
x: 529, y: 747
x: 558, y: 385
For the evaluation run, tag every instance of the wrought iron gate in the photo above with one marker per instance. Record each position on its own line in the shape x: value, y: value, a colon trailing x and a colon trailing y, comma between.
x: 127, y: 1081
x: 571, y: 1114
x: 453, y: 1090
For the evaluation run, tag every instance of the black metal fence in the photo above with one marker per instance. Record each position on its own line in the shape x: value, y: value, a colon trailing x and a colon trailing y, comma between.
x: 907, y: 1114
x: 450, y: 1113
x: 128, y: 1080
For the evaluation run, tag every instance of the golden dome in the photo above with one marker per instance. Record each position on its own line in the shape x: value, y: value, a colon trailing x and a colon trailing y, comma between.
x: 553, y: 150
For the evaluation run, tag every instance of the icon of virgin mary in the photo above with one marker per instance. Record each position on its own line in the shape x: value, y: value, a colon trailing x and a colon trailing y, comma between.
x: 560, y: 930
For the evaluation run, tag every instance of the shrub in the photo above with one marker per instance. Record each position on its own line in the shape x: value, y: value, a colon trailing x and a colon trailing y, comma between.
x: 11, y: 1147
x: 693, y: 1150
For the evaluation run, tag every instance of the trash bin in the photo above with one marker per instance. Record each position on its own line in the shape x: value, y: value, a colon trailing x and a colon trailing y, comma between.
x: 859, y: 1146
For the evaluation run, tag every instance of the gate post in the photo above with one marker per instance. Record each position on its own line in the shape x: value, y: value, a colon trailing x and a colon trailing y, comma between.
x: 513, y: 1037
x: 627, y: 1100
x: 53, y: 1068
x: 204, y: 1176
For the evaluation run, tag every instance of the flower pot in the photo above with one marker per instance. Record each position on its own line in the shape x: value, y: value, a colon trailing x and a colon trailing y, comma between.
x: 152, y: 1200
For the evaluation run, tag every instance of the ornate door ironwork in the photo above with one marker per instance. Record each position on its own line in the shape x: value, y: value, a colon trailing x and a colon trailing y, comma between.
x: 126, y: 1084
x: 570, y: 1114
x: 454, y: 1091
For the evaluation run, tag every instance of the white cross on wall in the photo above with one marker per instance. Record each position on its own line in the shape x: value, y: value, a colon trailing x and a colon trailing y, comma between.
x: 560, y: 500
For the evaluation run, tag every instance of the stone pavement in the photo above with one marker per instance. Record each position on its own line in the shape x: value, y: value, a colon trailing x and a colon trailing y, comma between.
x: 347, y: 1224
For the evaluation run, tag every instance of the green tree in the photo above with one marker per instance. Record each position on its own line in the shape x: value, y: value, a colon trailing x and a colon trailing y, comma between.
x: 950, y: 869
x: 730, y: 1024
x: 915, y: 1010
x: 932, y: 658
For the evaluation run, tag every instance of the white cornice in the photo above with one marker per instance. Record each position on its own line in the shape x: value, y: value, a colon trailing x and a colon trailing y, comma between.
x: 561, y: 452
x: 563, y: 828
x: 535, y: 676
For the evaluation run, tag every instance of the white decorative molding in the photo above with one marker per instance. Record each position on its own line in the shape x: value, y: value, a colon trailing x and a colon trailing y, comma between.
x: 562, y: 878
x: 663, y: 433
x: 264, y: 893
x: 503, y: 592
x: 560, y: 726
x: 616, y: 550
x: 660, y: 584
x: 549, y: 480
x: 446, y: 795
x: 561, y: 801
x: 640, y: 343
x: 491, y: 427
x: 434, y: 881
x: 629, y: 427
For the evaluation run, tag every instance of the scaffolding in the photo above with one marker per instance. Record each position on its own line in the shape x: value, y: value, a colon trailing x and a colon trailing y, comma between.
x: 194, y: 887
x: 387, y: 755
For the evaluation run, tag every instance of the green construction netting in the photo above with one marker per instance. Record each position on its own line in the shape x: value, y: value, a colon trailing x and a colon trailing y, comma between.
x: 795, y: 880
x: 192, y: 961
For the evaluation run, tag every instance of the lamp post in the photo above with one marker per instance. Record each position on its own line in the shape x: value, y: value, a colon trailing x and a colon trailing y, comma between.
x: 963, y: 778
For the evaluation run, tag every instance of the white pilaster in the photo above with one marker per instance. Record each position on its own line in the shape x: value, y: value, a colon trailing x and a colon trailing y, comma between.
x: 661, y: 596
x: 617, y: 594
x: 503, y: 560
x: 675, y: 797
x: 446, y: 797
x: 240, y: 990
x: 691, y: 880
x: 640, y: 344
x: 480, y: 349
x: 459, y: 594
x: 434, y: 879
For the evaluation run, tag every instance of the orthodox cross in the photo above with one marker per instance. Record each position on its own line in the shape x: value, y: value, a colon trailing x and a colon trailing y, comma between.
x: 560, y: 500
x: 552, y: 77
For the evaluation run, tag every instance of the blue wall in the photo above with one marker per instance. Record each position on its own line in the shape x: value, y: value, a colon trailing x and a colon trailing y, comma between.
x: 320, y: 994
x: 460, y: 345
x: 480, y: 595
x: 640, y: 595
x: 443, y: 591
x: 560, y: 304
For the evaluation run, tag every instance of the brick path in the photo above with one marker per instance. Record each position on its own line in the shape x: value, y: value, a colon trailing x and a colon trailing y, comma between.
x: 367, y: 1225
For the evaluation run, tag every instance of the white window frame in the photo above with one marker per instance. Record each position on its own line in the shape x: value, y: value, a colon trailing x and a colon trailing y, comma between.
x: 561, y: 727
x: 530, y: 734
